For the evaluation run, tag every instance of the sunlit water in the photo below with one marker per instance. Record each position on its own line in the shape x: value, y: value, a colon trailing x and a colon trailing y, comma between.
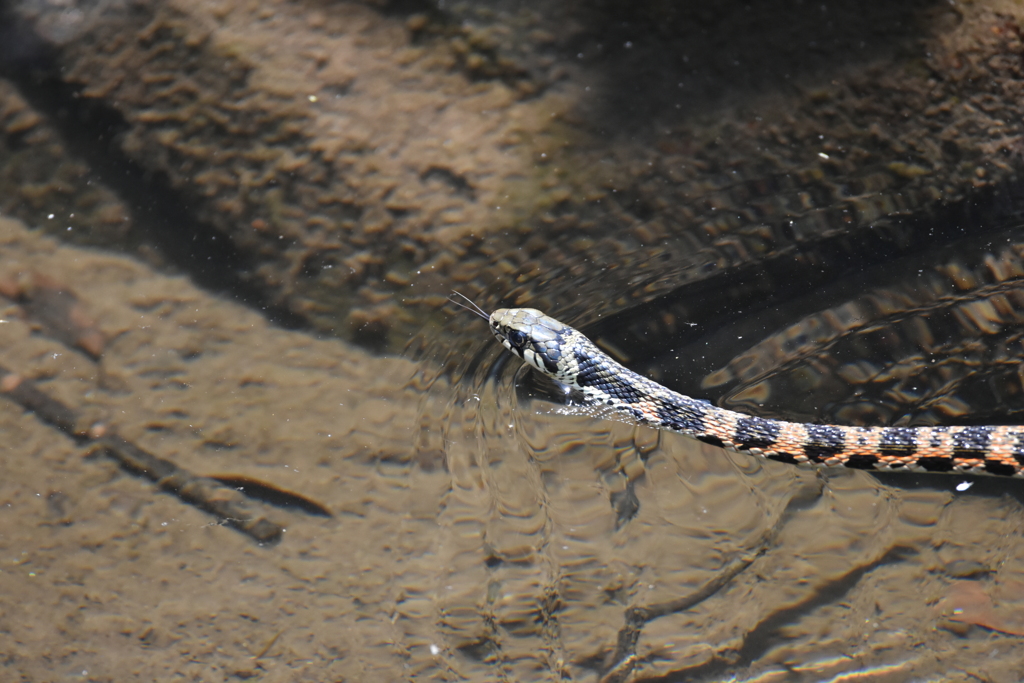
x: 496, y: 532
x: 591, y: 549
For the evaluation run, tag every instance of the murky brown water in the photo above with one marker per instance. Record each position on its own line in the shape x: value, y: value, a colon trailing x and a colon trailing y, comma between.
x: 476, y: 532
x: 811, y: 215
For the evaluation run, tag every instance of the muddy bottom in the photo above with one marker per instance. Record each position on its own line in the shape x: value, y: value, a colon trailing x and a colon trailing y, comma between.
x: 473, y: 532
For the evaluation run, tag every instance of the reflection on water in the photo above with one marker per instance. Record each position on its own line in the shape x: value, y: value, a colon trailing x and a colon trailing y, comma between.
x: 706, y: 173
x: 928, y: 339
x: 939, y: 345
x: 718, y: 565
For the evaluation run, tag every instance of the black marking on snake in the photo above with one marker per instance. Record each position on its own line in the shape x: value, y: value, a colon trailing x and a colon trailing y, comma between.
x: 593, y: 374
x: 825, y: 441
x: 900, y: 441
x: 782, y: 457
x: 932, y: 464
x: 997, y: 467
x: 1017, y: 450
x: 637, y: 414
x: 553, y: 353
x: 710, y: 439
x: 936, y: 440
x: 551, y: 361
x: 861, y: 461
x: 684, y: 417
x: 972, y: 442
x: 756, y: 432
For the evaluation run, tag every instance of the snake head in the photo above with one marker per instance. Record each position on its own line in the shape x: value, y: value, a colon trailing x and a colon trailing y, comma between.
x: 531, y: 335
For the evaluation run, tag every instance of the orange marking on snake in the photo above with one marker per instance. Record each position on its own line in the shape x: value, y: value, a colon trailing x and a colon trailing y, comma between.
x: 529, y: 334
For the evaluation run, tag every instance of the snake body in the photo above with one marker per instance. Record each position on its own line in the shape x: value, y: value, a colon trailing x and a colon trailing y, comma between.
x: 567, y: 356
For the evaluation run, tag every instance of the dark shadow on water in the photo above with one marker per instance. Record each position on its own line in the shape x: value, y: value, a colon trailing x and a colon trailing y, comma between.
x: 972, y: 484
x: 718, y: 317
x: 658, y: 56
x: 162, y: 220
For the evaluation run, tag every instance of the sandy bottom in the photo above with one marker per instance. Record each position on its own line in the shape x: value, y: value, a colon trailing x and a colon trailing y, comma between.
x: 494, y: 558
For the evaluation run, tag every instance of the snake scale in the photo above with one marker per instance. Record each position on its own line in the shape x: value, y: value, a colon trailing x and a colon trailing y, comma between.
x: 567, y: 356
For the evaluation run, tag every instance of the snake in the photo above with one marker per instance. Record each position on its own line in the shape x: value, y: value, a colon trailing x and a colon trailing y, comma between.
x: 567, y: 356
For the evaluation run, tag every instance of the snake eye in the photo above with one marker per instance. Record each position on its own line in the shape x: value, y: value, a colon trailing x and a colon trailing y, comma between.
x: 517, y: 338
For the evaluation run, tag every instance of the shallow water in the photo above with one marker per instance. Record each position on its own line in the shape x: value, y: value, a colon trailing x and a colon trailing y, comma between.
x: 793, y: 211
x: 595, y: 549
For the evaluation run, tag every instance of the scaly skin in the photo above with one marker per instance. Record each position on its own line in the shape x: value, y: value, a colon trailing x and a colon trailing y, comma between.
x: 567, y: 356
